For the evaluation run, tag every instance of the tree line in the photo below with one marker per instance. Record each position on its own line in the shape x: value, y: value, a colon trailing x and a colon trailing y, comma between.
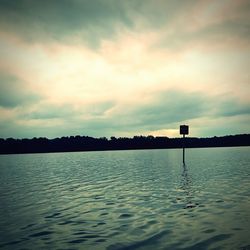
x: 86, y: 143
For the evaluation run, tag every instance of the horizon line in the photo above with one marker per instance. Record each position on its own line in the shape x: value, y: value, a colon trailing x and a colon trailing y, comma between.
x: 109, y: 138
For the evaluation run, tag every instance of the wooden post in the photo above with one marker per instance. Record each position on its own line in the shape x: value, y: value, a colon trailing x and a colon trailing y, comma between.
x: 183, y: 152
x: 184, y: 130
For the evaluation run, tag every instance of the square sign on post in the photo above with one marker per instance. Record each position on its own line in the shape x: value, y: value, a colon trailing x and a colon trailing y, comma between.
x: 184, y: 130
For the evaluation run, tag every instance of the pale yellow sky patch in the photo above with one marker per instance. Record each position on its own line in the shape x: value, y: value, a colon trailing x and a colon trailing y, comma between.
x: 48, y: 123
x: 122, y: 70
x: 164, y: 132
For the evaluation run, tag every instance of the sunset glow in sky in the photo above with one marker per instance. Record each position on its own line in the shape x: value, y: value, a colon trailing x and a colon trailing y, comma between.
x: 124, y: 68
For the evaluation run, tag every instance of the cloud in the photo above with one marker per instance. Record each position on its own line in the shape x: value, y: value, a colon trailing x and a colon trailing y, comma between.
x: 93, y: 20
x: 171, y: 107
x: 14, y: 93
x: 232, y: 107
x: 220, y: 125
x: 165, y: 111
x: 48, y: 111
x: 160, y: 113
x: 113, y: 67
x: 67, y: 112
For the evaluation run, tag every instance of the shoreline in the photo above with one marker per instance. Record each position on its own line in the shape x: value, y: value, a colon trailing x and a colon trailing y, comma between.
x: 89, y: 144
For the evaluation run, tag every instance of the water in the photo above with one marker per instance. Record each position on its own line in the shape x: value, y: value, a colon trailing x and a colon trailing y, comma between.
x: 141, y: 199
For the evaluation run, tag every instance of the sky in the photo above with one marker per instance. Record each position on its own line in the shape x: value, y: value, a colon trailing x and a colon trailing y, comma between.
x: 124, y: 67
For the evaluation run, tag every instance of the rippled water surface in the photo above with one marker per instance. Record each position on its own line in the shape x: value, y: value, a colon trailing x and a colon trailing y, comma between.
x: 141, y: 199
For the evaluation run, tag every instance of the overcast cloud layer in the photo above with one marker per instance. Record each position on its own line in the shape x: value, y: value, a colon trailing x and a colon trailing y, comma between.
x: 124, y: 68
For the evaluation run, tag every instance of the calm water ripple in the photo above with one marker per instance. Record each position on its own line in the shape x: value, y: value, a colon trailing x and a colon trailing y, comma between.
x: 126, y: 200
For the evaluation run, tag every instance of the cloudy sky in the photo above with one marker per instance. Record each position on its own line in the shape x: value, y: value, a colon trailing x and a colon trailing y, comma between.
x: 124, y: 67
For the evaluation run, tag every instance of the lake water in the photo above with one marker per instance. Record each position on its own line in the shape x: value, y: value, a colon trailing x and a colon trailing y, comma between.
x: 142, y: 199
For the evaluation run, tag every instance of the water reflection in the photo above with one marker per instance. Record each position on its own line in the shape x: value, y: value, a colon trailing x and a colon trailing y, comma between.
x: 187, y: 187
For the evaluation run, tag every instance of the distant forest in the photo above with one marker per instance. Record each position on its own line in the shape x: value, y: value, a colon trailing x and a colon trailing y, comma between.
x: 86, y: 143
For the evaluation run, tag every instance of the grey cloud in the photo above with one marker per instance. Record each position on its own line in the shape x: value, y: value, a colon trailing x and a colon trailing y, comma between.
x: 222, y: 31
x: 238, y: 125
x: 208, y: 35
x: 232, y: 107
x: 13, y: 92
x: 158, y: 13
x: 165, y: 111
x: 58, y: 19
x: 51, y: 112
x: 171, y: 107
x: 67, y: 111
x: 92, y: 21
x: 9, y: 128
x: 98, y: 109
x: 178, y: 36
